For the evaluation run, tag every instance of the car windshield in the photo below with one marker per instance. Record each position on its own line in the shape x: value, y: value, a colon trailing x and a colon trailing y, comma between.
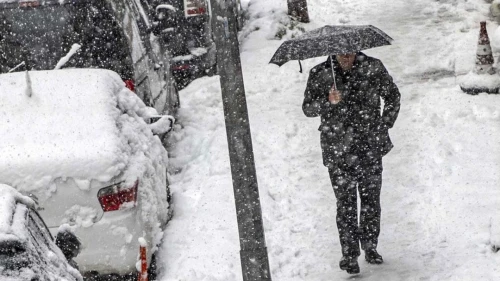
x: 38, y: 37
x: 12, y: 254
x: 38, y: 32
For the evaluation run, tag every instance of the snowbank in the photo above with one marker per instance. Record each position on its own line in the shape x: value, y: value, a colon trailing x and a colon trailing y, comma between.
x: 476, y: 83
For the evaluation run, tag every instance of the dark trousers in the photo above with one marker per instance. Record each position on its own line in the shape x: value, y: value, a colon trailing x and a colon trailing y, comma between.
x: 365, y: 176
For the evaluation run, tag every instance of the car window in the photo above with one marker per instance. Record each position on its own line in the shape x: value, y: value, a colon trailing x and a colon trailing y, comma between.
x: 33, y: 35
x: 39, y: 240
x: 36, y: 222
x: 102, y: 39
x: 40, y: 245
x: 42, y: 35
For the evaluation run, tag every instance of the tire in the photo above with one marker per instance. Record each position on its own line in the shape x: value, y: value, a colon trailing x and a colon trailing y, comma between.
x: 169, y: 200
x: 211, y: 71
x: 177, y: 100
x: 239, y: 15
x: 153, y: 269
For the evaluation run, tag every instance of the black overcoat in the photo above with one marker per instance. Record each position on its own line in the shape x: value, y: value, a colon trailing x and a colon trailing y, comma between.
x: 356, y: 128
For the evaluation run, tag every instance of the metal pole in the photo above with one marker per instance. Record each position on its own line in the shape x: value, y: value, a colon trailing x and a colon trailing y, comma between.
x: 253, y: 254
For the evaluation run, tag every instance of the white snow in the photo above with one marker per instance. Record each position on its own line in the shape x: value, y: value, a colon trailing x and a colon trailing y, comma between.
x: 65, y: 59
x: 181, y: 58
x: 198, y: 51
x: 28, y: 89
x: 482, y: 81
x: 195, y: 52
x: 12, y: 221
x: 140, y: 7
x: 441, y: 181
x: 494, y: 242
x: 51, y: 135
x: 142, y: 242
x: 163, y: 125
x: 168, y: 30
x: 165, y: 6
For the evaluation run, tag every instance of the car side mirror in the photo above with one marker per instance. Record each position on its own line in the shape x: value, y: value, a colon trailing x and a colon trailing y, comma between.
x: 163, y: 10
x: 166, y: 20
x: 69, y: 244
x: 161, y: 124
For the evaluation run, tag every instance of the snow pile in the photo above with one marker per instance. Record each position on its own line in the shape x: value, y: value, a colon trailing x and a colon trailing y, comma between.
x: 271, y: 21
x: 480, y: 82
x: 495, y: 41
x: 163, y: 125
x: 12, y: 227
x: 145, y: 158
x: 201, y: 240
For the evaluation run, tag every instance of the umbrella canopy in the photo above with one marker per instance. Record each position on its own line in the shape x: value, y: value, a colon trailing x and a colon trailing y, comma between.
x: 331, y: 40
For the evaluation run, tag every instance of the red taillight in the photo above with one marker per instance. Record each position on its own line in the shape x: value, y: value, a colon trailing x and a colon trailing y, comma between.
x: 197, y: 11
x: 196, y: 7
x: 115, y: 197
x: 29, y: 4
x: 181, y: 67
x: 130, y: 84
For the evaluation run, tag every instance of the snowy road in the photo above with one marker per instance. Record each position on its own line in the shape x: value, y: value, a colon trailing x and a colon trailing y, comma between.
x: 441, y: 182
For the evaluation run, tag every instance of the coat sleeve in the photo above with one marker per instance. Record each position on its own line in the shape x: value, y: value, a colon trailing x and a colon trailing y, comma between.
x: 391, y: 96
x: 315, y: 100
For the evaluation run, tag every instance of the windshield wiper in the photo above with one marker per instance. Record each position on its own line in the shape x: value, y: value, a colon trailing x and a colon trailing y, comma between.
x: 66, y: 58
x: 16, y: 67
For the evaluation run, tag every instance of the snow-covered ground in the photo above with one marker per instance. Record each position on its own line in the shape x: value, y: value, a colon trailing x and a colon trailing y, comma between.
x: 440, y: 196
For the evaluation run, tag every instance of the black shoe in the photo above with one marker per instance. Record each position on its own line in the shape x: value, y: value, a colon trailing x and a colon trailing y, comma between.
x: 372, y: 257
x: 349, y: 264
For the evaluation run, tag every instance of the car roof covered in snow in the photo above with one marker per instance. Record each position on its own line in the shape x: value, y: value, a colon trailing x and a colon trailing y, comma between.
x: 12, y: 214
x: 66, y: 128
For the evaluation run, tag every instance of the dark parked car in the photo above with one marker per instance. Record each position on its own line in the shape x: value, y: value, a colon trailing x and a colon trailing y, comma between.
x: 186, y: 31
x: 113, y: 34
x: 27, y: 250
x: 184, y: 27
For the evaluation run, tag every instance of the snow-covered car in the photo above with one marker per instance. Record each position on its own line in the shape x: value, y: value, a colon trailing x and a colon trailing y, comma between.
x: 27, y: 250
x: 83, y: 145
x: 112, y: 34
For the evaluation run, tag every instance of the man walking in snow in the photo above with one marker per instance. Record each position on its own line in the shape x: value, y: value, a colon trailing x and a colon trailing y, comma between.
x: 354, y: 138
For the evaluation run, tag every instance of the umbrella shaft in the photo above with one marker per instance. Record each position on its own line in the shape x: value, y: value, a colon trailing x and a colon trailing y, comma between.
x: 333, y: 73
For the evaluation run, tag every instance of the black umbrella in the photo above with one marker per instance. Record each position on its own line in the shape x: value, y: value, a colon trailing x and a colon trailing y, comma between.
x: 330, y: 40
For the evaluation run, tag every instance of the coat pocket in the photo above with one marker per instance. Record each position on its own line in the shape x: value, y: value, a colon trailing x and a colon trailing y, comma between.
x: 380, y: 142
x: 334, y: 146
x: 386, y: 143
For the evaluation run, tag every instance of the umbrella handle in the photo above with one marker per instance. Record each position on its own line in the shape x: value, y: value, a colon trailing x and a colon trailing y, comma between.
x: 333, y: 73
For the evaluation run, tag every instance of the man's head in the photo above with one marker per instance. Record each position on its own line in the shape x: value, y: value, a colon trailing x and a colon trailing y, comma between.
x: 346, y: 61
